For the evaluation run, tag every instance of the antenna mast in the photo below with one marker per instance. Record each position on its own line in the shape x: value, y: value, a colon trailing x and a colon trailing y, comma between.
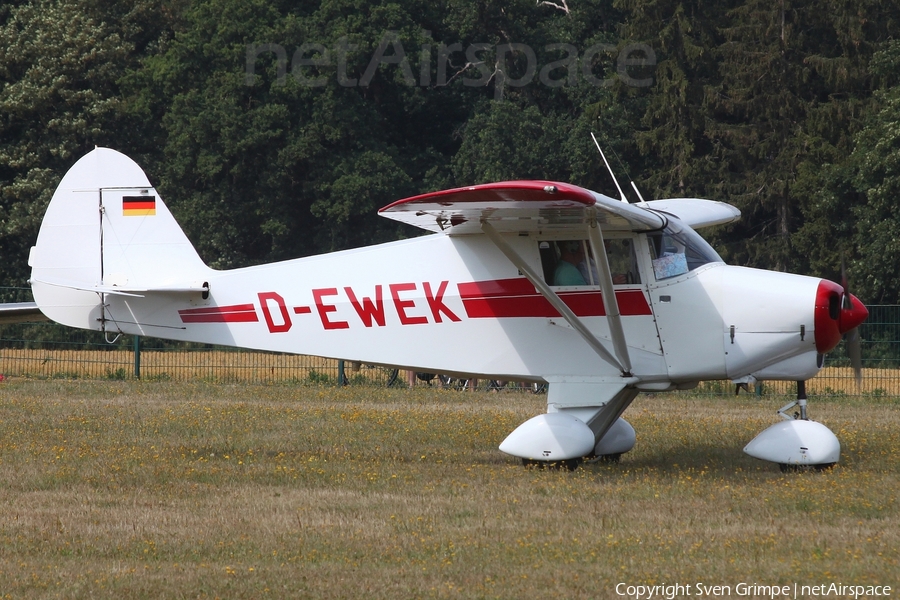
x: 606, y: 162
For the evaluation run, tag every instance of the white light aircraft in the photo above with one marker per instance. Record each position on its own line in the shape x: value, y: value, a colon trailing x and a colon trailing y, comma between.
x: 535, y: 281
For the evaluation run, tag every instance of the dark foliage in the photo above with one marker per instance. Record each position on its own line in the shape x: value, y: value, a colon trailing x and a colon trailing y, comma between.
x: 276, y: 130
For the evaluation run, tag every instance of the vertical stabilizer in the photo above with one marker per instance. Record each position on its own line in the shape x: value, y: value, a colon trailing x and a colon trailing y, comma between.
x: 106, y: 230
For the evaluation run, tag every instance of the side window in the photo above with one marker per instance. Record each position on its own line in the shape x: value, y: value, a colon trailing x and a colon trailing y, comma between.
x: 571, y: 262
x: 622, y: 262
x: 676, y: 250
x: 549, y: 259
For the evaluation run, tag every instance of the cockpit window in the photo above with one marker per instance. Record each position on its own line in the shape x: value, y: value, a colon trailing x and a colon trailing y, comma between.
x: 571, y: 262
x: 677, y: 250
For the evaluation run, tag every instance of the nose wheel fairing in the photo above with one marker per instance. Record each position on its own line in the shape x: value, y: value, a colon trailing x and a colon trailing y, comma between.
x: 796, y: 441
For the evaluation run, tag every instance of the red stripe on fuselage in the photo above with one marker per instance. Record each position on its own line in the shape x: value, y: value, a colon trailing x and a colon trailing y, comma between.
x: 238, y: 313
x: 518, y: 298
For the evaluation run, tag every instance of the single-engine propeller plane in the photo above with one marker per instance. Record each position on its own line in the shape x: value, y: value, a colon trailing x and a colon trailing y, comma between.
x: 535, y: 281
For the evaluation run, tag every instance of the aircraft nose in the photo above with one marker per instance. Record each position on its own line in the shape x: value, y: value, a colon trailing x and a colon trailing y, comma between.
x: 836, y: 313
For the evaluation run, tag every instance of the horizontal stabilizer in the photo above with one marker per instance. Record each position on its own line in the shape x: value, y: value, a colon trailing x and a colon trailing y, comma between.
x: 20, y: 312
x: 138, y: 292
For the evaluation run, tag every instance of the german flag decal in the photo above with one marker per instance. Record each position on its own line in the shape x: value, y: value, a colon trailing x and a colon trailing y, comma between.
x: 138, y: 206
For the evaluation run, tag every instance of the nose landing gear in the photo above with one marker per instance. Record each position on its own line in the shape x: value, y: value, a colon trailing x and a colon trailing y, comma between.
x: 796, y: 443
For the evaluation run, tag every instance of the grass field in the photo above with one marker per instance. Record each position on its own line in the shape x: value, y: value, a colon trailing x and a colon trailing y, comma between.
x: 113, y: 489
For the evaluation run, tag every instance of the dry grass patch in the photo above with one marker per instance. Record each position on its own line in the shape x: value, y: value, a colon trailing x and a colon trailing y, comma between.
x: 115, y: 489
x: 235, y: 366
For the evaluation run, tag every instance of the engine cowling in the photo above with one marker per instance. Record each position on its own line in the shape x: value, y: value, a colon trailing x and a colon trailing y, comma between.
x: 836, y: 313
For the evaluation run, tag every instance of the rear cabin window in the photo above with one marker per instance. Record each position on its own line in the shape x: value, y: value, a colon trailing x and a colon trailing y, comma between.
x: 571, y: 262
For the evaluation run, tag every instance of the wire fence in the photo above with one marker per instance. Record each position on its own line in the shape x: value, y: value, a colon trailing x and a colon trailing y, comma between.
x: 47, y: 351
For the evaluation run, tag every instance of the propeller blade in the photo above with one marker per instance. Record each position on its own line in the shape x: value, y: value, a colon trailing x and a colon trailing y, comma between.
x: 852, y: 336
x: 853, y: 349
x: 845, y: 283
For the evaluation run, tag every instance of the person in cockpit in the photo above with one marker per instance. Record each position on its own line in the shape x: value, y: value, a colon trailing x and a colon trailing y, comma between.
x: 619, y: 256
x: 571, y: 254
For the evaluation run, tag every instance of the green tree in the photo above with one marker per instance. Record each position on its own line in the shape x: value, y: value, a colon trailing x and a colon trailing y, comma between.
x: 550, y: 75
x: 276, y: 130
x: 876, y: 164
x: 269, y: 156
x: 761, y: 102
x: 59, y: 64
x: 669, y: 118
x: 850, y: 59
x: 793, y: 79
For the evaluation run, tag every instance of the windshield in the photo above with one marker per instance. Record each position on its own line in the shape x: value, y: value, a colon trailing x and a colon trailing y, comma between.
x: 678, y: 249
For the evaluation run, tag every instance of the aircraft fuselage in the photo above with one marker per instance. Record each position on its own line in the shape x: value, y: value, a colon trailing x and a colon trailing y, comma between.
x: 455, y: 304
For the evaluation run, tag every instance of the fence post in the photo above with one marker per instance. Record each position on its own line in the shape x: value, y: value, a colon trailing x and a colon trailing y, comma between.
x: 342, y: 379
x: 137, y: 357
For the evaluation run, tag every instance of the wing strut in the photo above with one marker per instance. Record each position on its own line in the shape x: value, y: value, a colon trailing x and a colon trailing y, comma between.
x: 552, y: 298
x: 610, y: 303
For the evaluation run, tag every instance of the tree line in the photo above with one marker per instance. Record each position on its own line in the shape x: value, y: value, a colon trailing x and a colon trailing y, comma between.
x: 275, y: 129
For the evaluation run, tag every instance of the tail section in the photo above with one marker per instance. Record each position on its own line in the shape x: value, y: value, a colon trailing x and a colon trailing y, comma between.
x: 107, y: 231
